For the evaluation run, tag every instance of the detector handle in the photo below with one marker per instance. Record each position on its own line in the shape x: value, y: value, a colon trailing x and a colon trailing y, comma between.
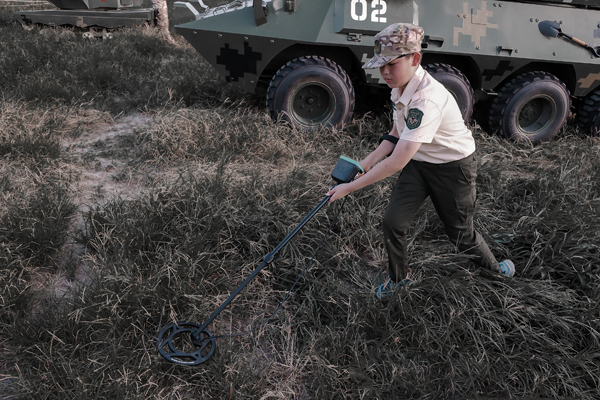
x: 266, y: 260
x: 345, y: 170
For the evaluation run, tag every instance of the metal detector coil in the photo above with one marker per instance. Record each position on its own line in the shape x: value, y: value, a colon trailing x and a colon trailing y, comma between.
x: 181, y: 343
x: 187, y: 343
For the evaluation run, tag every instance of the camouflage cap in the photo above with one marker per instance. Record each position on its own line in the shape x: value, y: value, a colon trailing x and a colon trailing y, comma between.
x: 394, y: 41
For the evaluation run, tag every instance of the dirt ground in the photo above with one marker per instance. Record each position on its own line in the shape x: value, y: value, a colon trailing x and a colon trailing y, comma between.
x: 104, y: 173
x: 98, y: 154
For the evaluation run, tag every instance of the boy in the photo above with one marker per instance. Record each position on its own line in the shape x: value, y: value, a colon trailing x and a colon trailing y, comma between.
x: 432, y: 146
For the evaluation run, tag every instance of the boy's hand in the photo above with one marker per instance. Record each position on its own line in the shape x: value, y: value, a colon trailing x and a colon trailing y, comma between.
x: 339, y: 191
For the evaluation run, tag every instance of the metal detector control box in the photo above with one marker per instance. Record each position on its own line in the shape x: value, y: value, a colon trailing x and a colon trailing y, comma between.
x: 346, y: 169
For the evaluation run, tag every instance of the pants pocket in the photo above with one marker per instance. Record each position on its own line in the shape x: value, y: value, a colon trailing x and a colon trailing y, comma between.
x: 469, y: 172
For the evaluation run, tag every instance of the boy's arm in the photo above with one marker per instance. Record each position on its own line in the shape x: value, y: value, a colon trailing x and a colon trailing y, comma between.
x: 386, y: 147
x: 402, y: 154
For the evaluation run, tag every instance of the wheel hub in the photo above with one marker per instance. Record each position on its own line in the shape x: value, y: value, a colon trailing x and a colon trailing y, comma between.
x: 535, y: 115
x: 313, y: 104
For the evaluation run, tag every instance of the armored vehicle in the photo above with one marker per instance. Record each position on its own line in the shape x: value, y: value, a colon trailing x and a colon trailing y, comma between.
x: 527, y: 63
x: 95, y: 18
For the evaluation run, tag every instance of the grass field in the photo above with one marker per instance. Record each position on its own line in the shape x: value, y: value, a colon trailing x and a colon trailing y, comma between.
x: 137, y: 191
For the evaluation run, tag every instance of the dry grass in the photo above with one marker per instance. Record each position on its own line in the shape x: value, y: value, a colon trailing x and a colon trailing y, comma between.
x: 85, y: 286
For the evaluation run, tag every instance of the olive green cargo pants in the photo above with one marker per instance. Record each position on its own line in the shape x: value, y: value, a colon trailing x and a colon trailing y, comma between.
x: 451, y: 187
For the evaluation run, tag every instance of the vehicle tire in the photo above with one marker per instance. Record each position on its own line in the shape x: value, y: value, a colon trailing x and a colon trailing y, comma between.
x: 311, y: 92
x: 28, y: 27
x: 533, y: 106
x: 98, y: 31
x: 588, y: 114
x: 457, y: 84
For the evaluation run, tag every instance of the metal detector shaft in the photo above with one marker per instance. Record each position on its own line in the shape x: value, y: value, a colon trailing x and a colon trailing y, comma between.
x: 266, y: 260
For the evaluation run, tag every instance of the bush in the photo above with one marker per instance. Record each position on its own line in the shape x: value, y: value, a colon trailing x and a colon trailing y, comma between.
x: 66, y: 69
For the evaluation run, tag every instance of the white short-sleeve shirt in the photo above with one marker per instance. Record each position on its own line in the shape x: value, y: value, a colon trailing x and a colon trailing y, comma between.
x: 426, y: 112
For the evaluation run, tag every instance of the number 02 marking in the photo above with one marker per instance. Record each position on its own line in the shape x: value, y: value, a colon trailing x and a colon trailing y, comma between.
x: 379, y: 8
x: 359, y: 10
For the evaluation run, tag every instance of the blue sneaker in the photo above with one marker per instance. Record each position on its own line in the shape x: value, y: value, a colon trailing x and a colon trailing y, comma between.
x: 507, y: 268
x: 389, y: 287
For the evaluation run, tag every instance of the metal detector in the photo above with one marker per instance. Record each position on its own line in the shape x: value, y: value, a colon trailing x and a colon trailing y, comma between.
x: 187, y: 343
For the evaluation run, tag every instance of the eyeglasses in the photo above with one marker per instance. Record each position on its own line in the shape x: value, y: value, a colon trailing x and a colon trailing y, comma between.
x: 404, y: 55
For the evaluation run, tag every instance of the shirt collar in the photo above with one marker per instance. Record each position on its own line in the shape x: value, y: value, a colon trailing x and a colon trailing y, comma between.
x: 410, y: 89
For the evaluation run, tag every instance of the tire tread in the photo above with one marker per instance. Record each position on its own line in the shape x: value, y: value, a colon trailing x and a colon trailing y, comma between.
x: 588, y: 114
x: 304, y: 61
x: 505, y: 95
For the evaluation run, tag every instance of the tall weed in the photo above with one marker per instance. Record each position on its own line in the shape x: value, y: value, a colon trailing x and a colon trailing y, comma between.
x: 67, y: 69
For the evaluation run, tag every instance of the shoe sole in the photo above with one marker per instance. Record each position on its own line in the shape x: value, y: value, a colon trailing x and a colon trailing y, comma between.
x: 510, y: 266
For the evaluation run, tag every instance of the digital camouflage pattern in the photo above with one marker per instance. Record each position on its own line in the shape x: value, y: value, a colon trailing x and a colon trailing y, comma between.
x: 394, y: 41
x: 493, y: 53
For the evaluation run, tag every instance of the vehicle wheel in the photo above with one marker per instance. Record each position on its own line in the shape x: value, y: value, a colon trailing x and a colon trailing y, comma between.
x: 98, y: 31
x: 311, y: 92
x: 457, y: 84
x: 533, y: 106
x: 87, y: 35
x: 588, y: 114
x: 66, y: 33
x: 28, y: 27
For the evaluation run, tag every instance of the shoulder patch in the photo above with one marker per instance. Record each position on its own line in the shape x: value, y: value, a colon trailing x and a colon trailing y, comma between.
x: 413, y: 120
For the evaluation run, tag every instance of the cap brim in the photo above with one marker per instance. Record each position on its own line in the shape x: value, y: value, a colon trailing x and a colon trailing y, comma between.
x: 378, y: 61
